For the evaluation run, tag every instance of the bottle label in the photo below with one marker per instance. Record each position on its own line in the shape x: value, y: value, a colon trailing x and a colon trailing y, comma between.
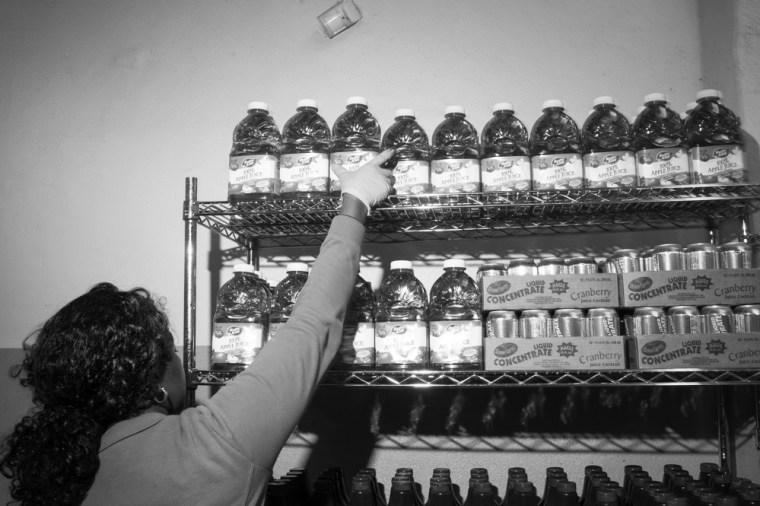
x: 455, y: 175
x: 401, y: 342
x: 358, y: 345
x: 304, y: 172
x: 456, y: 342
x: 663, y: 167
x: 236, y: 343
x: 412, y: 177
x: 611, y: 169
x: 349, y: 160
x: 718, y: 164
x: 505, y: 173
x: 557, y: 172
x: 254, y: 174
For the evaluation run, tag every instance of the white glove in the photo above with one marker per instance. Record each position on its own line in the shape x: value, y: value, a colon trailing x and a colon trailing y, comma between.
x: 369, y: 183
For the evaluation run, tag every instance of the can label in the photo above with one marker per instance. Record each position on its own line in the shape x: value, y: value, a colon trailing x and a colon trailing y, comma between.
x: 304, y: 172
x: 455, y: 175
x: 349, y: 160
x: 236, y: 343
x: 613, y: 169
x: 557, y: 172
x: 401, y: 343
x: 663, y: 167
x: 456, y: 342
x: 501, y: 324
x: 254, y: 174
x: 412, y: 177
x: 358, y: 344
x: 718, y: 164
x: 505, y: 173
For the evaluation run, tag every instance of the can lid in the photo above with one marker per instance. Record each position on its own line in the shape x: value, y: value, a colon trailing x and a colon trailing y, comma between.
x: 454, y: 109
x: 553, y: 102
x: 243, y: 268
x: 709, y: 93
x: 356, y: 100
x: 404, y: 112
x: 453, y: 263
x: 258, y: 105
x: 297, y: 267
x: 503, y: 106
x: 655, y: 97
x: 307, y: 102
x: 604, y: 100
x: 401, y: 264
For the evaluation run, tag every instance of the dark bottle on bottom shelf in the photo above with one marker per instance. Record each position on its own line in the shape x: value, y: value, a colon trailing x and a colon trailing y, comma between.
x: 362, y: 493
x: 402, y: 492
x: 441, y: 492
x: 524, y: 494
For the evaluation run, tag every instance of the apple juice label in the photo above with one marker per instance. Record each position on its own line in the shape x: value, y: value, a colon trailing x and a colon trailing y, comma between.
x: 612, y: 169
x: 412, y: 177
x: 254, y: 174
x: 236, y: 343
x: 505, y: 173
x: 349, y: 160
x: 304, y: 172
x: 456, y: 342
x: 358, y: 345
x: 718, y: 164
x: 455, y: 175
x: 401, y: 342
x: 557, y: 172
x: 663, y: 167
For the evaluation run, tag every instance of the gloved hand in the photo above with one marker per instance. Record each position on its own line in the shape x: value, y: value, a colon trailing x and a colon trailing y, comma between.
x: 370, y: 183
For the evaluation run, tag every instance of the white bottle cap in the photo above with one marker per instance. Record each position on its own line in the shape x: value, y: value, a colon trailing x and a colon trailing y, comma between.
x: 404, y: 112
x: 243, y: 268
x: 454, y: 263
x: 307, y: 102
x: 258, y: 105
x: 401, y: 264
x: 552, y: 103
x: 709, y: 93
x: 297, y: 267
x: 604, y: 100
x: 655, y: 97
x: 503, y: 106
x: 356, y: 100
x: 454, y: 109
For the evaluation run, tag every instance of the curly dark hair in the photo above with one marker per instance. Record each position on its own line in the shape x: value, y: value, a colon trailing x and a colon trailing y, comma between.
x: 95, y: 362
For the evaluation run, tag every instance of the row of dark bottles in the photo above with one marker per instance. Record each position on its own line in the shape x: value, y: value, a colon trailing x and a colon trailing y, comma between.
x: 713, y: 486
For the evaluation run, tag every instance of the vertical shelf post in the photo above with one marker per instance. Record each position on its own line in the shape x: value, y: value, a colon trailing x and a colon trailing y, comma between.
x: 188, y: 336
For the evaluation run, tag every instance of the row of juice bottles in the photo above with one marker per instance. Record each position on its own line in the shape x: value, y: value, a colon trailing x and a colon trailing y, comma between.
x: 677, y: 487
x: 659, y: 148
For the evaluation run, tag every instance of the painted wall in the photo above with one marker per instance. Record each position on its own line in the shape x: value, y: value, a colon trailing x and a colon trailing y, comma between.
x: 107, y: 107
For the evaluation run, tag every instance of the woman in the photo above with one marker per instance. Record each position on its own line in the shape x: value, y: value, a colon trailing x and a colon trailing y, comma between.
x: 108, y: 427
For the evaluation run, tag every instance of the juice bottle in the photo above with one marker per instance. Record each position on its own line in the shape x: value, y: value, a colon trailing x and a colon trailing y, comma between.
x: 455, y: 166
x: 608, y: 159
x: 285, y: 295
x: 411, y: 162
x: 305, y: 156
x: 555, y: 147
x: 357, y: 349
x: 254, y: 169
x: 355, y: 139
x: 505, y: 158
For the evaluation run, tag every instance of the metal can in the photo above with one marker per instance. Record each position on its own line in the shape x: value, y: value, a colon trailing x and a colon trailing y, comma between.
x: 489, y: 270
x: 622, y: 260
x: 701, y: 256
x: 535, y: 323
x: 502, y: 324
x: 718, y: 319
x: 522, y: 267
x: 568, y: 323
x: 735, y: 255
x: 581, y: 265
x: 668, y: 257
x: 747, y: 317
x: 646, y: 321
x: 646, y: 260
x: 602, y: 322
x: 550, y: 266
x: 684, y: 320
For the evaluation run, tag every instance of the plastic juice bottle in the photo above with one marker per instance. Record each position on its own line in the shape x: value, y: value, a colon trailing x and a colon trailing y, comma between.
x: 608, y: 158
x: 555, y: 147
x: 455, y: 166
x: 714, y: 135
x: 240, y: 320
x: 505, y: 158
x: 355, y: 139
x: 658, y: 140
x: 401, y: 325
x: 456, y: 329
x: 305, y: 156
x: 411, y: 163
x: 254, y: 169
x: 285, y: 295
x: 357, y: 350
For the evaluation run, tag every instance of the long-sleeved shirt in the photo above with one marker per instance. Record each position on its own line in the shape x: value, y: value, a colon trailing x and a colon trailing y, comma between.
x: 223, y: 452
